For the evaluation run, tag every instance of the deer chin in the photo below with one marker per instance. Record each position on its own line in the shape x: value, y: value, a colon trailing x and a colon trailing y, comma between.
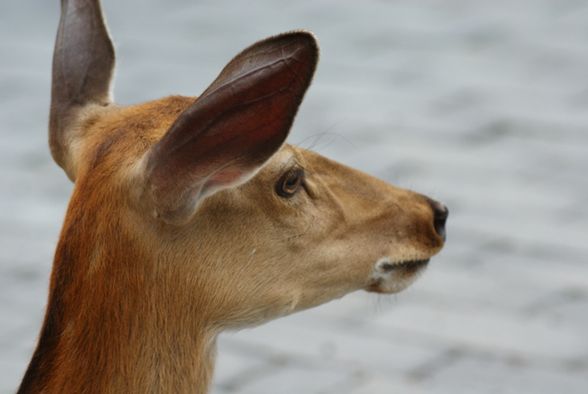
x: 389, y: 276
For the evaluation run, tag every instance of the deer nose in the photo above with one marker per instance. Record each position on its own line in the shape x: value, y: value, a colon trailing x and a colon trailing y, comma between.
x: 440, y: 213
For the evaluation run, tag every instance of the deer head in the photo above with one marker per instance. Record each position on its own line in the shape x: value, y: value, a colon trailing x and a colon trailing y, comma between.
x: 191, y: 215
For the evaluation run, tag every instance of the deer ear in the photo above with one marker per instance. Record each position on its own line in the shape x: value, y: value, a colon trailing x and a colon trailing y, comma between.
x: 233, y: 128
x: 83, y: 64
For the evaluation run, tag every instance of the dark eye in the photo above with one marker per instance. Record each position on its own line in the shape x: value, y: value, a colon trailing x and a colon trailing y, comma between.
x: 290, y: 182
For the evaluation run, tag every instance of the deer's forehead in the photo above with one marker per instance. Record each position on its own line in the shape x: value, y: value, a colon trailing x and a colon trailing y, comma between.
x: 280, y: 161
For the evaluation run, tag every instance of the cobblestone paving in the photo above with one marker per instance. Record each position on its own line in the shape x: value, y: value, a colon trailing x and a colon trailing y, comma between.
x: 482, y: 104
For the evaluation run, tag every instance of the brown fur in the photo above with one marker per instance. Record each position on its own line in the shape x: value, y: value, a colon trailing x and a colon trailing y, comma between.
x: 136, y: 301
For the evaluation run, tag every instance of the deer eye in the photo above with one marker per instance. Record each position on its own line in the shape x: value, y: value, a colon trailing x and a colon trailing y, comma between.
x: 290, y: 182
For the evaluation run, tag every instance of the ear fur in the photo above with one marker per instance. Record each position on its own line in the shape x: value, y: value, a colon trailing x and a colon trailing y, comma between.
x: 234, y: 127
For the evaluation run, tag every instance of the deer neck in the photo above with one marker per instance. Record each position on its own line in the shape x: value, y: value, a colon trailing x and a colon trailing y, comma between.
x: 115, y: 367
x: 113, y: 326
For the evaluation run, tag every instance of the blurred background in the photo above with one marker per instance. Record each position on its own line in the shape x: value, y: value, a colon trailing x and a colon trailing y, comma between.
x: 480, y: 104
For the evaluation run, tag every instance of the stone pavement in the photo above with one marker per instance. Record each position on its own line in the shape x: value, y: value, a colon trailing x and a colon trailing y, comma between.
x: 482, y: 104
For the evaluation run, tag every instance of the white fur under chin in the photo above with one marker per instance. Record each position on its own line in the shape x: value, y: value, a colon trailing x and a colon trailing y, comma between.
x: 391, y: 280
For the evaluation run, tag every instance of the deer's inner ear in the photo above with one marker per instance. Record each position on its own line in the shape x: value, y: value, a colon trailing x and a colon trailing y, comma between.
x: 235, y: 126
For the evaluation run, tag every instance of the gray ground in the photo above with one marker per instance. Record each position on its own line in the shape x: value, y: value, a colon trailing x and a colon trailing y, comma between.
x: 481, y: 104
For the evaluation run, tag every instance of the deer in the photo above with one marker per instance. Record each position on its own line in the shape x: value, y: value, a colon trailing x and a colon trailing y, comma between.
x: 190, y: 216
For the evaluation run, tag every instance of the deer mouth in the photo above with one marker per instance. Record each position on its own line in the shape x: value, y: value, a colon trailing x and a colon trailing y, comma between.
x: 403, y: 265
x: 391, y: 277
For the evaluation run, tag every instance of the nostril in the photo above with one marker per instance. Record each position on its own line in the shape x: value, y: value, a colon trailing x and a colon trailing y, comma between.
x: 440, y: 213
